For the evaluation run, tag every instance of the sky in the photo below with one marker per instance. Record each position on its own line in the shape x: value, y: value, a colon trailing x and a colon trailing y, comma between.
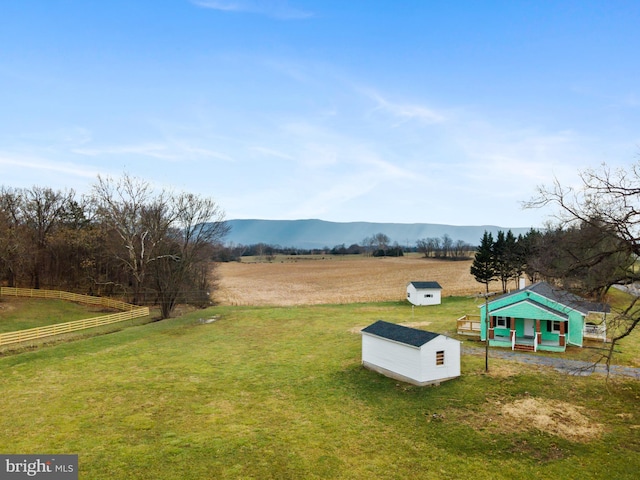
x: 416, y: 111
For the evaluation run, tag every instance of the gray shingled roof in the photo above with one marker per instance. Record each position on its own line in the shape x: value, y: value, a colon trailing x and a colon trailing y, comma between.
x: 561, y: 296
x: 423, y: 285
x: 398, y: 333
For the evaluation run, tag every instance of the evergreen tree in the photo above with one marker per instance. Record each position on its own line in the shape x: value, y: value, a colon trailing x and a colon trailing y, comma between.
x: 499, y: 259
x: 483, y: 266
x: 508, y: 261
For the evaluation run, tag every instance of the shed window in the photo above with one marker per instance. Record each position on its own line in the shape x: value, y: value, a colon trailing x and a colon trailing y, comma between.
x: 428, y: 295
x: 408, y: 294
x: 440, y: 357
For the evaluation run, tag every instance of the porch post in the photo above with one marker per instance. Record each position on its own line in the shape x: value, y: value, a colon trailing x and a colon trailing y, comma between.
x: 512, y: 328
x: 538, y: 332
x: 561, y: 337
x: 491, y: 327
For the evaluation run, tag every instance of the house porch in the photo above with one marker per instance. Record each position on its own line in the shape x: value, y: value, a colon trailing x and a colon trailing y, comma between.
x: 526, y: 344
x: 527, y: 334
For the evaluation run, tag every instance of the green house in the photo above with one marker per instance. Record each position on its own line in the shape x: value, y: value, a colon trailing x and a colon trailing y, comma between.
x: 541, y: 317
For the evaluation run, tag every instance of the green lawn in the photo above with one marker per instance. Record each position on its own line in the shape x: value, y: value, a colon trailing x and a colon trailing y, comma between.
x: 18, y: 313
x: 279, y: 393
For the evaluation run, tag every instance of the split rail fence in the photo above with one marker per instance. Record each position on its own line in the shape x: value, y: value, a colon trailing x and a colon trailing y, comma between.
x: 128, y: 312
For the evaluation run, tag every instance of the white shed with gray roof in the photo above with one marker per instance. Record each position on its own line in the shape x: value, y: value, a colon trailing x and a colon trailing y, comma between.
x: 408, y: 354
x: 424, y: 293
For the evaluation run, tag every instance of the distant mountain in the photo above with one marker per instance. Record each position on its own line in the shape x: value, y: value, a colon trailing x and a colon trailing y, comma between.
x: 309, y: 234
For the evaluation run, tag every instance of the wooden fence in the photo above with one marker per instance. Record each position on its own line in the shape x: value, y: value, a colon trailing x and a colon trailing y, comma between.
x: 128, y: 312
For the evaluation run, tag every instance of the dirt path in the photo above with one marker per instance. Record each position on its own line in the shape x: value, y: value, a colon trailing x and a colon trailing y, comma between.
x: 563, y: 365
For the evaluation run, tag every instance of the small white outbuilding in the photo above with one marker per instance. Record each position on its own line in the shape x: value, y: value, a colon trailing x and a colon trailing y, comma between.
x: 410, y: 355
x: 424, y: 293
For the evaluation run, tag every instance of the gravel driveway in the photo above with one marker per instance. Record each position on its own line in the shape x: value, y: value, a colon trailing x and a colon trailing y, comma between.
x: 570, y: 367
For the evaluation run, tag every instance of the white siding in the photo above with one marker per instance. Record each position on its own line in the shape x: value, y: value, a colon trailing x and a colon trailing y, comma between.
x: 392, y: 356
x: 430, y: 296
x: 429, y: 371
x: 417, y: 364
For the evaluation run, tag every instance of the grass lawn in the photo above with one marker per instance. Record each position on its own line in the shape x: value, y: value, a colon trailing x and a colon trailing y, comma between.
x: 18, y: 313
x: 279, y: 393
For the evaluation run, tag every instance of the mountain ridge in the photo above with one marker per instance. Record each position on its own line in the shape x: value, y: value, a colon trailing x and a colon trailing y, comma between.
x: 316, y: 234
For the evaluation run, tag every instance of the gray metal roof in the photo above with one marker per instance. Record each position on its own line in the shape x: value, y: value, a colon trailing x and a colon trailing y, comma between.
x: 425, y: 285
x: 399, y: 333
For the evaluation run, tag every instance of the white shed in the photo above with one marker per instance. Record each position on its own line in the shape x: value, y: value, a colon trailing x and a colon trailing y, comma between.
x: 408, y: 354
x: 424, y: 293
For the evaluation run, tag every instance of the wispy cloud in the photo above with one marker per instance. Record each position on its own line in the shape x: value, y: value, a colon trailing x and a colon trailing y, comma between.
x: 163, y: 151
x: 270, y: 152
x: 279, y: 9
x: 404, y: 112
x: 40, y: 165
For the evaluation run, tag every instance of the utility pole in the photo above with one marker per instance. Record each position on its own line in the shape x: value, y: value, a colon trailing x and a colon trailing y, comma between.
x: 486, y: 330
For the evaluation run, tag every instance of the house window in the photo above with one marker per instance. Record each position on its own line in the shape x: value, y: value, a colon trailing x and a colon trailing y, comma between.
x: 502, y: 322
x: 553, y: 326
x: 440, y: 357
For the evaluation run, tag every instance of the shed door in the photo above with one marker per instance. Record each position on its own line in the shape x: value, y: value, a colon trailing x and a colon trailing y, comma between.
x: 529, y: 327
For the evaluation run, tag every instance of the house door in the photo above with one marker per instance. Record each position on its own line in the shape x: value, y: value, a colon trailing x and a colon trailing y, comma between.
x: 529, y: 327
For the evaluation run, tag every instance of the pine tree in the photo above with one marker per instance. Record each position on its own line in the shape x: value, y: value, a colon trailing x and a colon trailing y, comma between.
x: 483, y: 266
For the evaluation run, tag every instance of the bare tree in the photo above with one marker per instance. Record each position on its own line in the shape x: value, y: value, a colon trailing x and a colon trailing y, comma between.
x: 42, y: 210
x: 608, y: 203
x: 12, y: 248
x: 139, y: 218
x: 181, y: 270
x: 382, y: 241
x: 427, y: 246
x: 437, y: 246
x: 369, y: 244
x: 461, y: 249
x: 447, y: 245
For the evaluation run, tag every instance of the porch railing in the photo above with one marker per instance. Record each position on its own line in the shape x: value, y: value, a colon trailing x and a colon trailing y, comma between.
x: 595, y: 332
x: 469, y: 325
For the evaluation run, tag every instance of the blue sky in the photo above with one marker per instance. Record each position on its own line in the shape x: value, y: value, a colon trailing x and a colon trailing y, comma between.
x: 385, y: 111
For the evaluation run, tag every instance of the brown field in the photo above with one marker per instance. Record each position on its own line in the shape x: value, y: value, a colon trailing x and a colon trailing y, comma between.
x: 328, y: 279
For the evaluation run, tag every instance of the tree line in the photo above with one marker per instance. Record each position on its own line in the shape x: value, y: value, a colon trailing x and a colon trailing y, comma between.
x: 584, y: 257
x: 124, y: 239
x: 504, y: 259
x: 378, y: 245
x: 444, y: 247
